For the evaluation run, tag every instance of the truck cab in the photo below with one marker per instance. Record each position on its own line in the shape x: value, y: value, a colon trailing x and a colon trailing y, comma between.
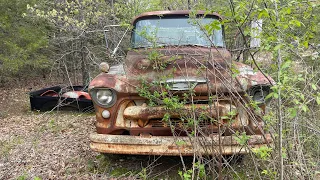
x: 178, y: 92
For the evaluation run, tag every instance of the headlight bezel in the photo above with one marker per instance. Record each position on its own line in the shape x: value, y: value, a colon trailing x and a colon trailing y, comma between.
x: 257, y: 92
x: 94, y: 97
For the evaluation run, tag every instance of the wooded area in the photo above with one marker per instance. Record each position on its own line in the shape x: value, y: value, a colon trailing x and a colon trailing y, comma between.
x: 64, y: 41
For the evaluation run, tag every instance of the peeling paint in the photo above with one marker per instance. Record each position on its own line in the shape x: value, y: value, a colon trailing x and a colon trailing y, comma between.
x: 206, y: 70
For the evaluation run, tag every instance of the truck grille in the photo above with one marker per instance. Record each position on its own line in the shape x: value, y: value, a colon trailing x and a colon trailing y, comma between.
x: 178, y: 123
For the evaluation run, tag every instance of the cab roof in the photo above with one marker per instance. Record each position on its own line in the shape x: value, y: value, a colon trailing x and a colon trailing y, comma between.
x: 172, y: 13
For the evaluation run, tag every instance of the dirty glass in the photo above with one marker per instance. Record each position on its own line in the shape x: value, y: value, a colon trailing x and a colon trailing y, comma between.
x: 174, y: 31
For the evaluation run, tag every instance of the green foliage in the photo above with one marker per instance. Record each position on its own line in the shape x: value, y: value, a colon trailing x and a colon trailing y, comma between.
x: 119, y: 172
x: 29, y: 28
x: 143, y: 174
x: 144, y: 91
x: 172, y: 103
x: 22, y: 177
x: 263, y: 152
x: 241, y: 138
x: 78, y: 36
x: 71, y: 15
x: 269, y: 173
x: 24, y: 40
x: 185, y: 175
x: 290, y: 32
x: 99, y: 165
x: 230, y: 115
x: 200, y: 170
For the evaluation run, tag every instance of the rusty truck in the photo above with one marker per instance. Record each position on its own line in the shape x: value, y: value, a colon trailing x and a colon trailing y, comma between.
x: 175, y: 55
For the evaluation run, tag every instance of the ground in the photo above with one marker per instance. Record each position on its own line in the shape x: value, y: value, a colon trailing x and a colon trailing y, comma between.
x: 55, y: 145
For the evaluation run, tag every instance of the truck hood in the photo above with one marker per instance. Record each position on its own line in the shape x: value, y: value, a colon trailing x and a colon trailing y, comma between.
x: 181, y: 68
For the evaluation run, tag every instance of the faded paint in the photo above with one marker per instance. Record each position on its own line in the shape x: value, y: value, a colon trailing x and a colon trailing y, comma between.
x: 162, y: 145
x: 190, y: 66
x: 174, y: 13
x: 145, y: 113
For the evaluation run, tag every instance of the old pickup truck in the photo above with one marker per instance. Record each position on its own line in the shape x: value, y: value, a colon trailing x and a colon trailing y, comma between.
x: 218, y: 103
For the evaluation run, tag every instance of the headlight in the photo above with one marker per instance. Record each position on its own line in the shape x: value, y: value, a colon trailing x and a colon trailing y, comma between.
x: 259, y: 93
x: 103, y: 97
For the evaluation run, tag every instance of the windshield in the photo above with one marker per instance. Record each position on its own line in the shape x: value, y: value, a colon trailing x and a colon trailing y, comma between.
x: 181, y: 30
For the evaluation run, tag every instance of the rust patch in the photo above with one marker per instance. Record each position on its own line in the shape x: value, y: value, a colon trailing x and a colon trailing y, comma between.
x: 212, y: 65
x: 155, y: 145
x: 144, y: 114
x: 172, y: 13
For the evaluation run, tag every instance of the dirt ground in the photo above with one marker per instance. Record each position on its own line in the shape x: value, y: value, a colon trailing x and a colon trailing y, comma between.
x: 55, y: 145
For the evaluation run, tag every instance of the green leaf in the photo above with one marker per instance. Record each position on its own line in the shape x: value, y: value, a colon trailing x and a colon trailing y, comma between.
x: 286, y: 65
x: 293, y: 112
x: 242, y: 139
x: 314, y: 87
x: 304, y: 108
x: 318, y: 100
x: 306, y: 44
x: 277, y: 47
x: 295, y: 22
x: 269, y: 95
x: 284, y: 155
x: 288, y: 11
x: 263, y: 152
x: 296, y: 101
x: 224, y: 117
x: 263, y: 13
x: 180, y: 143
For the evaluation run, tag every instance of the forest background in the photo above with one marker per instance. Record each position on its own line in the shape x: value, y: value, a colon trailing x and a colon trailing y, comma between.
x: 63, y: 41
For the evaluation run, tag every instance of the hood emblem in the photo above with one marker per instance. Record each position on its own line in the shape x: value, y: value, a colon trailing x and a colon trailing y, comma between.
x: 183, y: 84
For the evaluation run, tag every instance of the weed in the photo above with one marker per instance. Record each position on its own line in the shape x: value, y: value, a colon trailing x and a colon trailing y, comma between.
x: 121, y: 171
x: 22, y: 177
x: 100, y: 164
x: 143, y: 174
x: 7, y: 146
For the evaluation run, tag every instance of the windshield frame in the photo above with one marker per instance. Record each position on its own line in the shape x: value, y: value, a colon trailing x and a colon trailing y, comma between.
x: 185, y: 16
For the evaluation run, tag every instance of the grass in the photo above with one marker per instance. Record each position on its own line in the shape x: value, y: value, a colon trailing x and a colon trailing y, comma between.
x: 99, y: 165
x: 120, y: 172
x: 8, y: 145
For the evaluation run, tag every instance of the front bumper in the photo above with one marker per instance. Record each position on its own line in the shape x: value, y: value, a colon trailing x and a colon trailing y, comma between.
x: 174, y: 146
